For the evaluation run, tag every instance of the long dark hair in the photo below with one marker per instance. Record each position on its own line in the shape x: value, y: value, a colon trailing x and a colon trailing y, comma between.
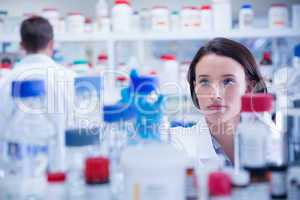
x: 234, y: 50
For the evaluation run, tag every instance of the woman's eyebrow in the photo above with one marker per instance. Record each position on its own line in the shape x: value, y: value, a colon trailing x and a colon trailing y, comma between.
x: 228, y: 75
x: 203, y: 76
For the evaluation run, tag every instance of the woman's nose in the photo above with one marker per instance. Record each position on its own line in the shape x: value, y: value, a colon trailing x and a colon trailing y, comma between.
x: 217, y: 92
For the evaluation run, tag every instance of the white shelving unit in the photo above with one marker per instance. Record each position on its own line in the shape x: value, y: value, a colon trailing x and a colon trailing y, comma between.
x: 142, y: 37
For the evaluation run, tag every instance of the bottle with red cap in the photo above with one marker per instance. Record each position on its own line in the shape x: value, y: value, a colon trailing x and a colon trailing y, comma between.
x: 206, y: 18
x: 56, y: 186
x: 266, y: 68
x: 96, y: 173
x: 169, y: 74
x: 122, y: 16
x: 253, y: 131
x: 219, y: 186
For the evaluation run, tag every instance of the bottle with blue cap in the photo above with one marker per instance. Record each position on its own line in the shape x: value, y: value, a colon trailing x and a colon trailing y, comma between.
x: 30, y: 140
x: 118, y: 132
x: 88, y: 102
x: 246, y: 16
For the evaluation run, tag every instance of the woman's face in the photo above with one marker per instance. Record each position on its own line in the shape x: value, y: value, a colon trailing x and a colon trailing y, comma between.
x: 220, y: 83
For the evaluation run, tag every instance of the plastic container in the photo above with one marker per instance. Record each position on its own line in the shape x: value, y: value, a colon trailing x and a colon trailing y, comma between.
x: 278, y: 16
x: 136, y: 21
x: 75, y: 23
x: 97, y: 178
x: 119, y: 130
x: 122, y: 16
x: 81, y: 67
x: 206, y: 18
x: 222, y: 14
x: 278, y: 181
x: 160, y: 18
x: 102, y: 13
x: 145, y: 19
x: 296, y: 16
x: 219, y: 185
x: 52, y: 15
x: 30, y: 141
x: 190, y: 19
x: 169, y: 76
x: 159, y: 165
x: 56, y: 186
x: 175, y: 21
x: 253, y: 131
x: 246, y: 16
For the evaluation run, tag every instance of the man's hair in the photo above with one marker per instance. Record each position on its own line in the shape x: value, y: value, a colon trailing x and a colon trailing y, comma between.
x: 36, y: 33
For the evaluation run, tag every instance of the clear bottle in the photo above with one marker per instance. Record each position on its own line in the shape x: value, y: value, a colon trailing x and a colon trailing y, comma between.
x: 219, y: 185
x: 97, y: 178
x: 81, y: 143
x: 118, y: 132
x: 246, y: 16
x: 56, y: 186
x: 30, y: 141
x: 253, y: 131
x: 88, y: 102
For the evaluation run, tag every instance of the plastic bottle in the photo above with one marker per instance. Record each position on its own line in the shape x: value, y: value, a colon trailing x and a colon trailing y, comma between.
x: 88, y: 101
x: 122, y: 16
x: 96, y: 173
x: 30, y: 140
x: 278, y: 16
x: 118, y: 131
x: 145, y: 19
x: 101, y: 68
x: 101, y: 14
x: 296, y: 16
x: 278, y: 181
x: 81, y: 67
x: 56, y: 186
x: 259, y: 183
x: 254, y: 131
x: 169, y: 74
x: 136, y: 21
x: 81, y: 143
x: 266, y: 68
x: 189, y: 17
x: 160, y: 18
x: 246, y: 16
x: 206, y: 18
x: 175, y: 21
x: 222, y: 14
x: 75, y: 23
x: 219, y: 185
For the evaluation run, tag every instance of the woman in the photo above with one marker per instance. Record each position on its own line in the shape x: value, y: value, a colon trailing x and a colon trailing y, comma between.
x: 220, y: 73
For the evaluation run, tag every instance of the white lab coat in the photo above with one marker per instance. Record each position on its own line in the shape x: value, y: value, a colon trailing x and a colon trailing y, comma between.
x: 195, y: 142
x: 60, y: 93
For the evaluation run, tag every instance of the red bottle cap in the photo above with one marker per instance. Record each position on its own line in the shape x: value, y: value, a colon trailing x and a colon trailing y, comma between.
x: 168, y: 57
x: 102, y: 56
x: 122, y: 2
x: 206, y: 7
x: 219, y: 184
x: 56, y: 177
x: 257, y: 102
x: 97, y: 170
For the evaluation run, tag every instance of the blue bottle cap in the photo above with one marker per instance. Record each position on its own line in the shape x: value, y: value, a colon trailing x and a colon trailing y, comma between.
x: 82, y: 137
x: 118, y: 112
x: 88, y: 84
x: 28, y: 88
x: 247, y: 6
x: 297, y: 50
x: 145, y: 84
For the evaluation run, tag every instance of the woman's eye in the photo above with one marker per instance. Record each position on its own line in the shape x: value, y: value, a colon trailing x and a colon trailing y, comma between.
x: 204, y: 82
x: 228, y: 81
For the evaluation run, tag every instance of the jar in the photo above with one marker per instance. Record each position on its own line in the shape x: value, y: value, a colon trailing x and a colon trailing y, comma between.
x: 75, y: 23
x: 160, y: 18
x: 278, y: 16
x: 190, y: 18
x: 122, y: 16
x: 246, y: 16
x: 222, y: 14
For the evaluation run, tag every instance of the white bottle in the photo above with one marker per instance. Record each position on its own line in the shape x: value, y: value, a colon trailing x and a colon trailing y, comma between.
x: 278, y: 16
x: 75, y: 23
x: 136, y: 21
x: 169, y: 74
x: 101, y: 13
x: 296, y: 16
x: 30, y: 140
x: 122, y: 16
x: 254, y: 131
x: 246, y: 16
x: 52, y: 15
x: 222, y: 14
x: 206, y: 18
x: 175, y: 21
x: 188, y: 19
x: 160, y: 19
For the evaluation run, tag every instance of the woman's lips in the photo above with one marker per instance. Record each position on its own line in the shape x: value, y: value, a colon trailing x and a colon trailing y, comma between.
x: 216, y: 107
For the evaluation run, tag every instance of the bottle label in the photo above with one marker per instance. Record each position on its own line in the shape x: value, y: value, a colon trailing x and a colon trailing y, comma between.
x: 29, y: 159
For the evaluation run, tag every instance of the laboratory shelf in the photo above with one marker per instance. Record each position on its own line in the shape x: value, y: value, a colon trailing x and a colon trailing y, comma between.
x: 166, y: 36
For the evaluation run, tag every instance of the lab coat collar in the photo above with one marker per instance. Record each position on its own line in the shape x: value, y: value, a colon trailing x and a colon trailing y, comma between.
x: 37, y: 58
